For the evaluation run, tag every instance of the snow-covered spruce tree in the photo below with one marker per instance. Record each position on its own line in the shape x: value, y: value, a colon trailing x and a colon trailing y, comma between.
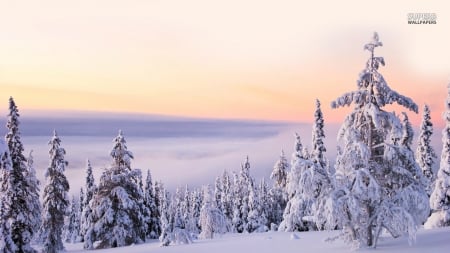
x: 116, y: 218
x: 166, y: 228
x: 297, y: 207
x: 72, y: 228
x: 318, y: 137
x: 425, y: 153
x: 55, y: 199
x: 227, y: 198
x: 212, y: 219
x: 377, y: 184
x: 218, y: 192
x: 236, y: 222
x: 34, y: 185
x: 193, y: 223
x: 91, y: 189
x: 265, y: 207
x: 315, y: 181
x: 7, y: 243
x: 440, y: 198
x: 153, y: 223
x: 278, y: 193
x: 21, y: 212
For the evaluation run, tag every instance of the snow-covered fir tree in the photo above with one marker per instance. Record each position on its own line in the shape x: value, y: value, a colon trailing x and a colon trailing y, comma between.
x: 377, y: 181
x: 72, y: 228
x: 440, y: 197
x: 318, y: 138
x: 153, y: 223
x: 166, y: 236
x: 227, y: 197
x: 34, y: 185
x: 91, y: 189
x: 265, y: 207
x: 55, y: 199
x: 212, y: 219
x: 21, y: 213
x: 218, y: 192
x: 278, y: 193
x: 425, y: 153
x: 236, y: 222
x: 7, y: 243
x: 116, y: 218
x: 193, y: 223
x: 297, y: 207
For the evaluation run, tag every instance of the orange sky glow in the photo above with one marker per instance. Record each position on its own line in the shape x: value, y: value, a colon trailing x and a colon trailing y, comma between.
x: 247, y: 59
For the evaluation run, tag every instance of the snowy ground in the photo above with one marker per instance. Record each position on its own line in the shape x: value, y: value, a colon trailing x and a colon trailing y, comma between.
x: 435, y: 241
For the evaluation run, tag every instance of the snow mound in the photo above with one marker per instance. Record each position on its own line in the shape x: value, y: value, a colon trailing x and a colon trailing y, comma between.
x: 294, y: 236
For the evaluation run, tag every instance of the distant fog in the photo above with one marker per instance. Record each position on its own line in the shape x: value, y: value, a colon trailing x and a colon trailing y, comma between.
x: 178, y: 151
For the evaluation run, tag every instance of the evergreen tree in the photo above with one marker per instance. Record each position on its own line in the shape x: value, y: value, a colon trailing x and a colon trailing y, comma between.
x: 7, y: 243
x: 237, y: 222
x: 212, y: 219
x: 91, y: 189
x: 297, y: 207
x: 377, y: 184
x: 218, y: 192
x: 193, y: 223
x: 440, y: 198
x: 318, y: 137
x: 56, y: 201
x: 278, y: 193
x: 20, y: 212
x: 72, y: 229
x: 166, y: 228
x: 425, y: 153
x: 35, y: 202
x: 153, y: 223
x: 227, y: 198
x: 116, y: 206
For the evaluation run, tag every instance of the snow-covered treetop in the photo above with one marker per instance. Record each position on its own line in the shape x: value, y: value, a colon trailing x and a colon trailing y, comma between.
x: 372, y: 88
x: 121, y: 156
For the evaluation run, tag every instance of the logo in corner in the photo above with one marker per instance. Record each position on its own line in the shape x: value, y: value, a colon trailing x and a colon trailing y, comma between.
x: 418, y: 18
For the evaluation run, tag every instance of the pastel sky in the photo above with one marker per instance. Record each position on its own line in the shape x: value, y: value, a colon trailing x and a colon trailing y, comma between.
x: 251, y: 59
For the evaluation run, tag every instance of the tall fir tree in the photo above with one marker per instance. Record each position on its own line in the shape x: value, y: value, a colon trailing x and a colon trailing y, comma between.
x: 297, y: 206
x: 116, y: 206
x: 23, y: 224
x: 440, y: 197
x: 278, y: 193
x: 72, y: 227
x: 55, y: 199
x: 34, y: 188
x: 7, y: 243
x: 153, y: 223
x: 425, y: 153
x: 318, y: 137
x: 212, y: 220
x: 377, y: 181
x: 91, y: 189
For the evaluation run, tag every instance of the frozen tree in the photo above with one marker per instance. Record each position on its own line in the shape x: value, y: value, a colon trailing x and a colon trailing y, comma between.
x: 91, y: 189
x: 55, y: 200
x: 237, y: 222
x: 227, y: 197
x: 212, y: 219
x: 297, y: 207
x: 72, y: 229
x: 440, y: 198
x: 35, y: 202
x: 218, y: 192
x: 280, y: 171
x: 7, y: 243
x: 193, y: 223
x: 425, y: 153
x: 279, y: 193
x: 116, y: 218
x: 318, y: 137
x: 378, y: 183
x: 20, y: 212
x: 166, y: 228
x: 153, y: 223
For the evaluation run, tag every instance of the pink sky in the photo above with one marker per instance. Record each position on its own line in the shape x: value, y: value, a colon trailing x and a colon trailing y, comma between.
x: 251, y: 59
